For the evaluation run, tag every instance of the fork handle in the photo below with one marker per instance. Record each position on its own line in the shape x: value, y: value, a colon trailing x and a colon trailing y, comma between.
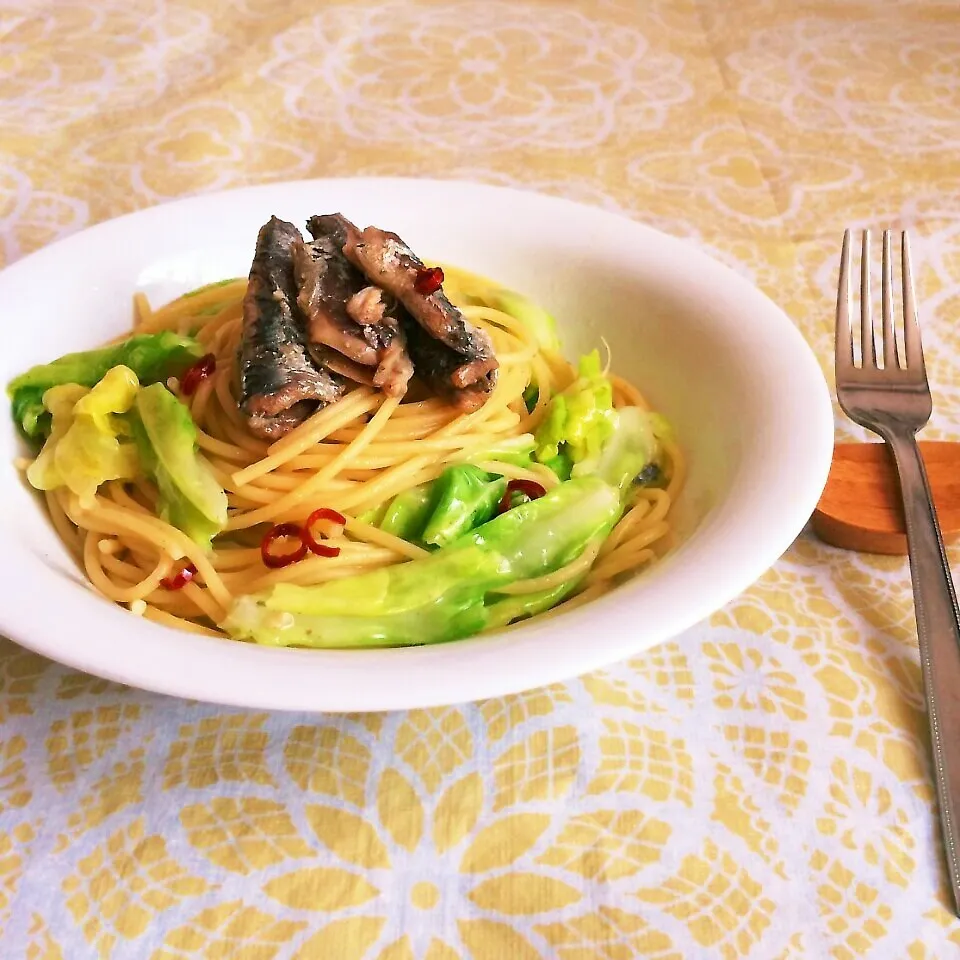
x: 938, y: 631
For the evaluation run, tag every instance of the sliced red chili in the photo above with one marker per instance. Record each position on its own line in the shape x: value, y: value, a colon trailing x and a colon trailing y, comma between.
x: 530, y: 489
x: 319, y: 516
x: 429, y: 280
x: 180, y: 579
x: 197, y: 373
x: 282, y: 531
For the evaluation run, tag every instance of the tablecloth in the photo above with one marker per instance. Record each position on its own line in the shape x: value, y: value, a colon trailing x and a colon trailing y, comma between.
x: 758, y: 787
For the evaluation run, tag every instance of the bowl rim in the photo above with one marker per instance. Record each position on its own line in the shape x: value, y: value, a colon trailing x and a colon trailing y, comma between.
x: 245, y: 675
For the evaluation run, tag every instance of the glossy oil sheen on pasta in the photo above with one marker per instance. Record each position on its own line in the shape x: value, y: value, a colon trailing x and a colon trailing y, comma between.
x: 353, y: 456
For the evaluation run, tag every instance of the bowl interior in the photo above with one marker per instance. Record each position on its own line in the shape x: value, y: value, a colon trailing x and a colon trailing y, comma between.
x: 712, y: 354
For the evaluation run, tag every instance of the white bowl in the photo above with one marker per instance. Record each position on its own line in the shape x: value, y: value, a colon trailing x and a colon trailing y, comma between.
x: 727, y: 367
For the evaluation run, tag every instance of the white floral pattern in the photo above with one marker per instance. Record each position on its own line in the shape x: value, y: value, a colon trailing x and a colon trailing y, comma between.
x: 474, y: 76
x: 66, y: 62
x: 31, y: 218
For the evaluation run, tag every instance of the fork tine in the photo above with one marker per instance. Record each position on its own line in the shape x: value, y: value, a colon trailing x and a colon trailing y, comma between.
x: 844, y: 336
x: 890, y: 361
x: 868, y: 349
x: 911, y: 325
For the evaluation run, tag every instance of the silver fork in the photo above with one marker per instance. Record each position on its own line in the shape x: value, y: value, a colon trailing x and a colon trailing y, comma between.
x: 894, y: 401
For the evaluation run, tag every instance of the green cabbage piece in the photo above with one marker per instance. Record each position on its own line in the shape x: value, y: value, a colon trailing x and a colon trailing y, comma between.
x: 561, y: 465
x: 434, y: 514
x: 153, y: 357
x: 465, y: 497
x: 166, y: 436
x: 407, y: 513
x: 580, y: 420
x: 631, y: 447
x: 88, y: 442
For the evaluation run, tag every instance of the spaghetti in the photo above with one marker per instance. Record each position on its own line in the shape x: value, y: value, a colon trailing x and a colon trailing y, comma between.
x: 352, y: 456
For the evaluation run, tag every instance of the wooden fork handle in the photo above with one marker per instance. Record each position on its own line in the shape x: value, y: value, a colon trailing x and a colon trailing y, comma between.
x: 938, y: 631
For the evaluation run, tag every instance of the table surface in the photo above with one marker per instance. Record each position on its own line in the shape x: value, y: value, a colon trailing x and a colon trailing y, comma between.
x: 759, y: 787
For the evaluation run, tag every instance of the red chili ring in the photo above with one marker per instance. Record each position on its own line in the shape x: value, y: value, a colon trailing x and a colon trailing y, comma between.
x: 428, y: 280
x: 529, y: 488
x: 281, y: 531
x: 315, y: 546
x: 199, y: 371
x: 180, y: 579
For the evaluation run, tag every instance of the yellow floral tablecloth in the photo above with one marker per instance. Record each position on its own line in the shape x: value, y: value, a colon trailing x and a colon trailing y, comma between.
x: 759, y: 787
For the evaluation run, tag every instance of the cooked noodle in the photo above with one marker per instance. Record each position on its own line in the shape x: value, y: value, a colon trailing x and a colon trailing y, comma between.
x: 353, y: 456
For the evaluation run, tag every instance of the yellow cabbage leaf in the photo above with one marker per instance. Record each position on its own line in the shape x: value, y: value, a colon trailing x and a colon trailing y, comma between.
x: 88, y: 443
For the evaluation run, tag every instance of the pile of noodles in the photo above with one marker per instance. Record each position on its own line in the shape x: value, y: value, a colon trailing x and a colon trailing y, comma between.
x: 353, y: 456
